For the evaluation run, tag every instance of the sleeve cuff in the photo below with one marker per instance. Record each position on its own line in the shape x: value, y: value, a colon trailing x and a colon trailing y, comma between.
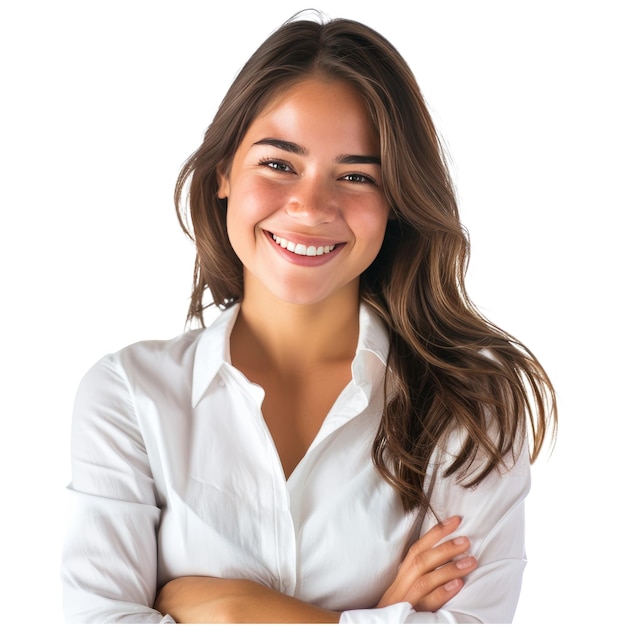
x: 393, y: 614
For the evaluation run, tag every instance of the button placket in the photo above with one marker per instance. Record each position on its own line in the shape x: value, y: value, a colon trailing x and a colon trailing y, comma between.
x: 284, y: 548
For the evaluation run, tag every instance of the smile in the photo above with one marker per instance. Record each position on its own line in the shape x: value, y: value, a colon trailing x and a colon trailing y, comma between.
x: 301, y: 249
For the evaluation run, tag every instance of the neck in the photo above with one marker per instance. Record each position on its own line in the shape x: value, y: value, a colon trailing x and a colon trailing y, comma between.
x: 295, y: 337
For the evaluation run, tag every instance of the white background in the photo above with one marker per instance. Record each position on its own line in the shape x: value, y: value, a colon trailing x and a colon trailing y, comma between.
x: 103, y: 101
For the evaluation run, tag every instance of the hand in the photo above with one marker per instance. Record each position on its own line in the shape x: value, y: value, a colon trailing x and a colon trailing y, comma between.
x: 205, y: 600
x: 432, y: 572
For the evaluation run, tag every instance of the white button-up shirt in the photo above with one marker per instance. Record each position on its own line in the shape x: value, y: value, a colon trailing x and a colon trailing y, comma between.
x: 174, y: 473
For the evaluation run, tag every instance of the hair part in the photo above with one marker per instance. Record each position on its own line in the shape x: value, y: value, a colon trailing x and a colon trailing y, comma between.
x: 448, y: 367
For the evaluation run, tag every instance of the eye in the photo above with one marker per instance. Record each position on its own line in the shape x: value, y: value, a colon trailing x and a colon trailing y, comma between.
x: 360, y: 179
x: 277, y: 165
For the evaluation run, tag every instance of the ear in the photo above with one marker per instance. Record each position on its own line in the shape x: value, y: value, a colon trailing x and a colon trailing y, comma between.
x: 223, y: 182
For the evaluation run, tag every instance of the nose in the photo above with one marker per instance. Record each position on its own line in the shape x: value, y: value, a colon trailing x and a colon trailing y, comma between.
x: 312, y: 202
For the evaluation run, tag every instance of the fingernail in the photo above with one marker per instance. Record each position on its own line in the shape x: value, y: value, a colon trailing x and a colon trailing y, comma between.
x: 447, y: 522
x: 459, y: 541
x: 452, y: 585
x: 465, y: 563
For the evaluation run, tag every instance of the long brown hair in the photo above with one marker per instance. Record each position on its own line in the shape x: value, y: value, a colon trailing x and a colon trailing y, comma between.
x: 448, y: 366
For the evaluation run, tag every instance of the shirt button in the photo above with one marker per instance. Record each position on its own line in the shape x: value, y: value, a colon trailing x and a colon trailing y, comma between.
x: 221, y: 383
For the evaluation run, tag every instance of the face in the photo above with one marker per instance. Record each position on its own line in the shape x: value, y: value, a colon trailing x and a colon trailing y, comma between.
x: 306, y: 210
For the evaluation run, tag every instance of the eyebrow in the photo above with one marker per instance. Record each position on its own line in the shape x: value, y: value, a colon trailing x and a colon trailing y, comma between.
x: 294, y: 148
x: 281, y: 144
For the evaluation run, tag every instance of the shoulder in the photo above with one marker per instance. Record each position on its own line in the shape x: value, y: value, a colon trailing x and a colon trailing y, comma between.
x: 146, y: 356
x: 158, y: 353
x: 162, y: 369
x: 125, y: 395
x: 454, y: 444
x: 149, y: 362
x: 150, y: 370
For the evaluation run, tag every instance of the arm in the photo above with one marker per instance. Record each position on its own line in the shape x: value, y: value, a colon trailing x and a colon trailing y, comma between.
x: 429, y: 576
x: 204, y: 600
x: 493, y: 521
x: 109, y: 556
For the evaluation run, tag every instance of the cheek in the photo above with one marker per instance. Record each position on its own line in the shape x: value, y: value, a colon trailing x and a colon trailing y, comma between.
x: 252, y: 201
x: 373, y: 224
x: 373, y: 234
x: 249, y: 204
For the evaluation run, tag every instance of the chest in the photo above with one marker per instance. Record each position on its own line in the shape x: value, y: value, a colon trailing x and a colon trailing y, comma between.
x: 333, y: 533
x: 294, y: 408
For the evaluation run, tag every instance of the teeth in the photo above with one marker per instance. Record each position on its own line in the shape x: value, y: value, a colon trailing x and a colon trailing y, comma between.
x: 301, y: 249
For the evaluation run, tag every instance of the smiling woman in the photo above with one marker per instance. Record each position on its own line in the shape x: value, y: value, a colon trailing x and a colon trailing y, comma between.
x: 347, y: 441
x: 298, y: 176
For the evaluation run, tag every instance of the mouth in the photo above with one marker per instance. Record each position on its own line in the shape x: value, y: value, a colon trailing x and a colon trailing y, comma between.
x: 302, y: 249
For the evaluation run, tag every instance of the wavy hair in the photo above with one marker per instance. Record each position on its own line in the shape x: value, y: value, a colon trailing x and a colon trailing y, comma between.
x: 449, y: 367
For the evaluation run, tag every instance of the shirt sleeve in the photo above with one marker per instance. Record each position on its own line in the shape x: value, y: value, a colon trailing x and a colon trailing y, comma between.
x: 109, y: 563
x: 493, y: 520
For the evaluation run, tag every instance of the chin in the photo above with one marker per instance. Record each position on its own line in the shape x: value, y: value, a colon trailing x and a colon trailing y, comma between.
x: 302, y: 290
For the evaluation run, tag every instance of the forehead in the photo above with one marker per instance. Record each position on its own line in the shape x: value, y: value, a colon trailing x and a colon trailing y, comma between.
x: 318, y: 107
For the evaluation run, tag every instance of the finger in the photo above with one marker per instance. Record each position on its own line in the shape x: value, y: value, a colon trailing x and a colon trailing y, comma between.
x: 439, y: 597
x: 419, y: 575
x: 432, y: 591
x: 420, y: 561
x: 423, y: 557
x: 436, y: 534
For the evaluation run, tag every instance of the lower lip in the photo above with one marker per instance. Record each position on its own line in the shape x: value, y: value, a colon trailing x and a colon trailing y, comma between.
x: 303, y: 260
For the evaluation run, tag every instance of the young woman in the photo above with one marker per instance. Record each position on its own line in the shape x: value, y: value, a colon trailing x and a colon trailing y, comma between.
x: 347, y: 441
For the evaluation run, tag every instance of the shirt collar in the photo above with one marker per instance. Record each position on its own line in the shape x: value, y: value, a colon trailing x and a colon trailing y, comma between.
x: 371, y: 352
x: 213, y: 350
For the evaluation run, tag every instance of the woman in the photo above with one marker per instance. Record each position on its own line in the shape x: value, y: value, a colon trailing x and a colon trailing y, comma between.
x: 347, y: 440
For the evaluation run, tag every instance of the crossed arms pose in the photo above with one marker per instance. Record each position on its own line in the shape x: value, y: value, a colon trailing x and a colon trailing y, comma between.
x: 347, y: 440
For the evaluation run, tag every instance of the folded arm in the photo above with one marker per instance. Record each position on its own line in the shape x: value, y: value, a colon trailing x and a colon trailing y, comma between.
x: 493, y: 521
x: 110, y: 557
x: 430, y: 575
